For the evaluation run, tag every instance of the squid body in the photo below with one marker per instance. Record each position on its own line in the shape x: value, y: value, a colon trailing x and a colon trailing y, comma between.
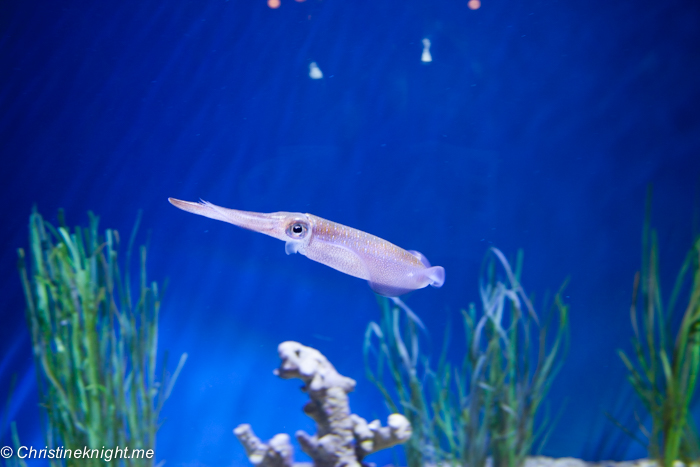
x: 390, y: 270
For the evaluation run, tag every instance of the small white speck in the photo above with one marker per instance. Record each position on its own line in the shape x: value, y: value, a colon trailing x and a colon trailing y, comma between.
x: 314, y: 71
x: 425, y: 56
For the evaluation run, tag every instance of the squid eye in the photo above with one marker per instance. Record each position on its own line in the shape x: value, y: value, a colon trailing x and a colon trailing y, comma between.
x: 297, y: 230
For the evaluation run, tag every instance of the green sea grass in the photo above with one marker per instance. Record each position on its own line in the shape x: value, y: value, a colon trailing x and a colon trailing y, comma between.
x: 94, y: 341
x: 402, y: 363
x: 13, y: 442
x: 663, y: 370
x: 485, y: 406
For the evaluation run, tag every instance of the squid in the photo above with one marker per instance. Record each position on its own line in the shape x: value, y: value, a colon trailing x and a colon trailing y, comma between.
x: 391, y: 271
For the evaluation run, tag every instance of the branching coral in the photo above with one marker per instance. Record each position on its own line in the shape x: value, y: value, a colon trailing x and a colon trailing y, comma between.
x: 342, y: 438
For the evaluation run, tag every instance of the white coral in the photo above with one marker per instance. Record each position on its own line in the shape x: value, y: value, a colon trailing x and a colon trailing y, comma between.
x: 342, y: 438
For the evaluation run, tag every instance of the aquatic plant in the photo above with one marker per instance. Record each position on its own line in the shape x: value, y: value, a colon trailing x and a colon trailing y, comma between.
x: 665, y: 369
x: 485, y: 406
x: 94, y: 342
x: 13, y: 442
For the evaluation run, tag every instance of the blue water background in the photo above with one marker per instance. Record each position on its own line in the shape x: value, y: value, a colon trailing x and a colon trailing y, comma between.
x: 538, y: 125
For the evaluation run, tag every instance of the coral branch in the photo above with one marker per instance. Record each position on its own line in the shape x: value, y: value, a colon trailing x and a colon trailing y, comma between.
x: 372, y: 437
x: 277, y: 453
x: 342, y: 439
